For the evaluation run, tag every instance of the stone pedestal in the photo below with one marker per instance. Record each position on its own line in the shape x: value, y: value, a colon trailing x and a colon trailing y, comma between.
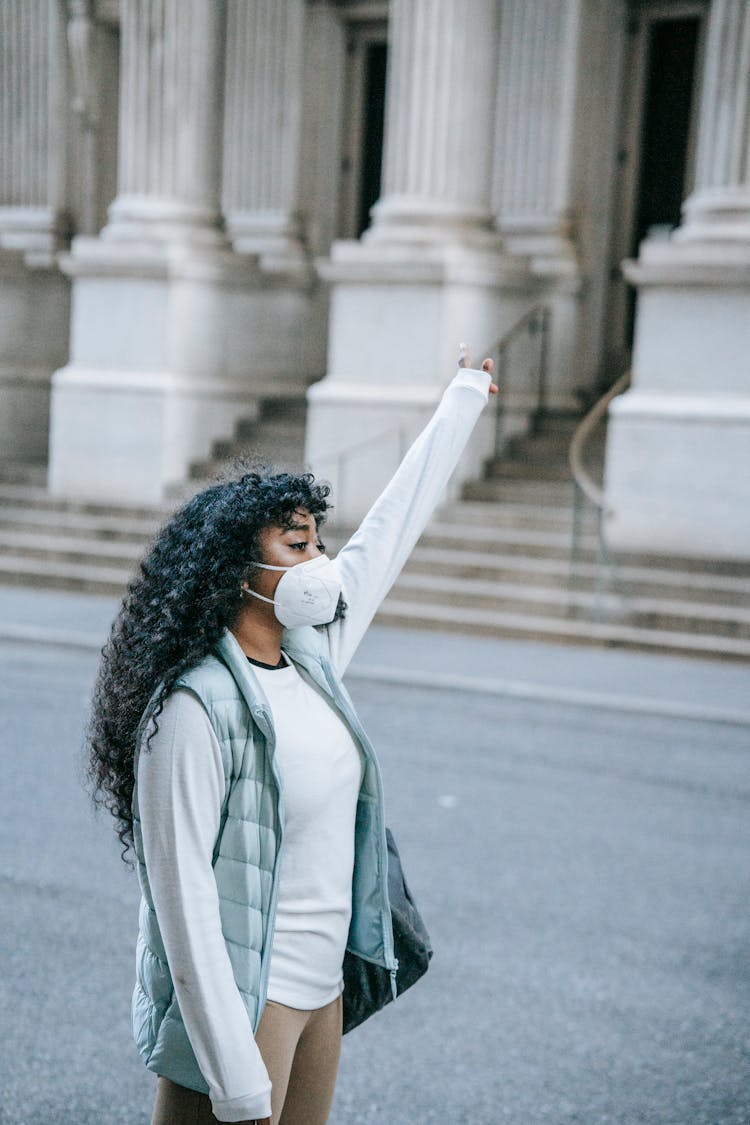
x: 430, y: 272
x: 678, y: 451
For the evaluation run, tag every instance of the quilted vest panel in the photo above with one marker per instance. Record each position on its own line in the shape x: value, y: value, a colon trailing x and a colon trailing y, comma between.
x: 248, y: 847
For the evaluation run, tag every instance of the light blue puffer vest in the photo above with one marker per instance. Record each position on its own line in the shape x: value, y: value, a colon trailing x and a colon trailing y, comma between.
x: 246, y: 855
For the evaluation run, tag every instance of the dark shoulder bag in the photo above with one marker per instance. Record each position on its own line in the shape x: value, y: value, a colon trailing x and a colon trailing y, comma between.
x: 367, y: 987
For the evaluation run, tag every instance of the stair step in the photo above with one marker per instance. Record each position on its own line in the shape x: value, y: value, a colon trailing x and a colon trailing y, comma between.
x: 526, y: 492
x: 487, y: 623
x: 558, y: 421
x: 120, y: 553
x: 61, y: 575
x: 500, y: 469
x: 542, y: 515
x: 646, y: 580
x: 80, y: 524
x: 32, y: 496
x: 517, y: 597
x: 515, y: 540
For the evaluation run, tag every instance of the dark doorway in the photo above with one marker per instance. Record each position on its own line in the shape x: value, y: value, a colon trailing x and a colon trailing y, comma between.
x: 372, y: 132
x: 665, y: 135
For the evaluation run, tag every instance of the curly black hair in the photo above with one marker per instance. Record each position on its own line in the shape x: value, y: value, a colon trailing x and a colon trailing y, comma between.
x: 187, y: 591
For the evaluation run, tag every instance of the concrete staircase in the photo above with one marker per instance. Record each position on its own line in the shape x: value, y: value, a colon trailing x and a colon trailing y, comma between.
x: 497, y: 562
x: 276, y: 437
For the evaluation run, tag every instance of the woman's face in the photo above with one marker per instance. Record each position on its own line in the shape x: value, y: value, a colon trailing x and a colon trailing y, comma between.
x: 294, y: 543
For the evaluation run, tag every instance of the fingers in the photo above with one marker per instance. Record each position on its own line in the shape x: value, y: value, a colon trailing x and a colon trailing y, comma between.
x: 488, y: 365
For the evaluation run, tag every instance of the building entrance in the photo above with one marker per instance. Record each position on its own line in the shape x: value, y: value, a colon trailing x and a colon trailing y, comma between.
x: 364, y: 114
x: 657, y: 143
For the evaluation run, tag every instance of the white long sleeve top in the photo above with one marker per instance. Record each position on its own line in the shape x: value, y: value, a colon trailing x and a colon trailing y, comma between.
x: 181, y: 787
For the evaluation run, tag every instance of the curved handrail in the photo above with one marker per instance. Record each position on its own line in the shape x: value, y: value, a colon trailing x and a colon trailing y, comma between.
x: 583, y: 431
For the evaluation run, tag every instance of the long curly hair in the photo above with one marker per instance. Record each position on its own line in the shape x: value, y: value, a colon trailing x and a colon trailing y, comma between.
x: 186, y: 592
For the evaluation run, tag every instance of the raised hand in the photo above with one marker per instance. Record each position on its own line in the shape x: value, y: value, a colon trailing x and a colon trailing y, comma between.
x: 488, y: 365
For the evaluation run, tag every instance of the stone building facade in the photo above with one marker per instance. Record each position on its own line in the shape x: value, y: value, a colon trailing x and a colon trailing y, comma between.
x: 206, y: 204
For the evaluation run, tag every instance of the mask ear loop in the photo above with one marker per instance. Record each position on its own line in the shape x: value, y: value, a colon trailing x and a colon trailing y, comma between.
x: 254, y: 593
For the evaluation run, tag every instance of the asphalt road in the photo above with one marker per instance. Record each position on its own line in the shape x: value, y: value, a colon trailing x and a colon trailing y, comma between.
x: 584, y: 874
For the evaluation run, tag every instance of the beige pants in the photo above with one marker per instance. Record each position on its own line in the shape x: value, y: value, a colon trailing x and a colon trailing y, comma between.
x: 301, y: 1052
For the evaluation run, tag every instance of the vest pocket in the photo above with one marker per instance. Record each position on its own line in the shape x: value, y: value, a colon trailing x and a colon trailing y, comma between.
x: 366, y: 929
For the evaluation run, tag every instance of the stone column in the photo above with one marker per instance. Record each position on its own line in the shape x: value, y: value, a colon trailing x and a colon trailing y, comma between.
x: 439, y: 122
x: 169, y: 339
x: 678, y: 453
x: 535, y: 127
x: 34, y: 224
x: 263, y: 119
x: 33, y: 127
x: 430, y: 271
x: 170, y: 149
x: 557, y: 108
x: 719, y: 208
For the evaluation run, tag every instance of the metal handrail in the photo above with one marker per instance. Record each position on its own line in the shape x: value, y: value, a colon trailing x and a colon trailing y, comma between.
x: 585, y: 488
x: 341, y: 458
x: 583, y: 431
x: 357, y: 447
x: 534, y: 320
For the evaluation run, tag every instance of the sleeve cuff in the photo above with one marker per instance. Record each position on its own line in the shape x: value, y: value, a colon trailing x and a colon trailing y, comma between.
x: 251, y: 1107
x: 474, y: 379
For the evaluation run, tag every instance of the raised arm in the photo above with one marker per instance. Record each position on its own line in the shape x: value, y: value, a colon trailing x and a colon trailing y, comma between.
x: 180, y: 793
x: 374, y: 556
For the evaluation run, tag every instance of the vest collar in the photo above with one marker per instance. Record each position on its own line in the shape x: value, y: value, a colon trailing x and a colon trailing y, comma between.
x: 304, y: 645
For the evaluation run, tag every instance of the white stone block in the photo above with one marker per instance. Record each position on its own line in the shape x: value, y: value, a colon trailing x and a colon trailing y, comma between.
x: 678, y: 474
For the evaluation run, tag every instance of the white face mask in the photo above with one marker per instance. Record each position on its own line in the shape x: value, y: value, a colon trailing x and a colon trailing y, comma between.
x: 307, y: 594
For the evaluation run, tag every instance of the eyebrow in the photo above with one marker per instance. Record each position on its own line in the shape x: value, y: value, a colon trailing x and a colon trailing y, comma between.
x: 296, y: 527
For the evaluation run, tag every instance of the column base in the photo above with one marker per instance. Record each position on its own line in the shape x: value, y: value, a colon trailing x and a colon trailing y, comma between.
x: 405, y: 220
x: 164, y: 221
x: 34, y: 327
x: 716, y: 215
x: 397, y: 318
x: 275, y: 237
x: 38, y: 232
x: 171, y: 347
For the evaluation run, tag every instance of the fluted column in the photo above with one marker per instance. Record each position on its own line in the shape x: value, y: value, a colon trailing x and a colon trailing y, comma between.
x: 32, y: 126
x: 439, y: 120
x: 535, y: 117
x: 171, y: 102
x: 265, y: 45
x: 719, y: 208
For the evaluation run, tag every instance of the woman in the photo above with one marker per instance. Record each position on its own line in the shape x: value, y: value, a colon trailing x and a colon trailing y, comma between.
x: 226, y: 746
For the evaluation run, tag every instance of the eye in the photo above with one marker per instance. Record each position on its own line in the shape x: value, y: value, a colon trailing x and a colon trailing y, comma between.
x: 322, y: 548
x: 298, y: 546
